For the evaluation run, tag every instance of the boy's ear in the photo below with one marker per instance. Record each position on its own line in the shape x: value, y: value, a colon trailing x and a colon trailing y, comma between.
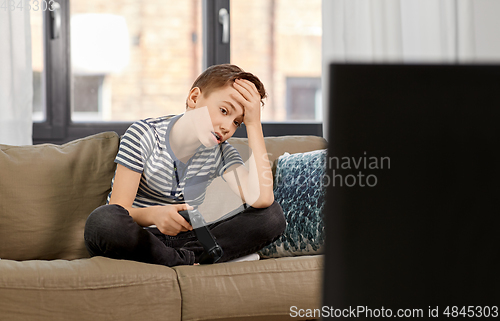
x: 194, y: 95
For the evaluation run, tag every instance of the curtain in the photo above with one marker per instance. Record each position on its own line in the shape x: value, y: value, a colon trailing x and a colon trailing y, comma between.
x: 399, y: 31
x: 16, y: 78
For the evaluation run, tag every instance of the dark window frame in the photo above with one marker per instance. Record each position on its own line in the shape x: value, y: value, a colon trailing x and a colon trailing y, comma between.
x: 58, y: 127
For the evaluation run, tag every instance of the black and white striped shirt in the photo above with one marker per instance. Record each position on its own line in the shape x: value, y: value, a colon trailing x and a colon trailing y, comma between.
x: 145, y: 149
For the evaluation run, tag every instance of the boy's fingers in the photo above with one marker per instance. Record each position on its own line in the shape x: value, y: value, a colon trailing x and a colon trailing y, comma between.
x: 247, y: 86
x: 243, y: 91
x: 183, y: 207
x: 186, y: 225
x: 174, y: 225
x: 182, y: 222
x: 244, y: 101
x: 240, y: 99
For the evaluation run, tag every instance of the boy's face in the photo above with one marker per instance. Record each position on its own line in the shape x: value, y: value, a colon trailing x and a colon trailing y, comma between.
x: 226, y: 114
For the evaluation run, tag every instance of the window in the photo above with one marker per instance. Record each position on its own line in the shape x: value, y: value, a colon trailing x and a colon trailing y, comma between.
x: 91, y: 99
x: 279, y: 40
x: 303, y: 98
x: 132, y: 60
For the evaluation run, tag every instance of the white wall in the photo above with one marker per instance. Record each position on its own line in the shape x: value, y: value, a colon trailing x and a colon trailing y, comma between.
x: 486, y: 15
x: 466, y: 31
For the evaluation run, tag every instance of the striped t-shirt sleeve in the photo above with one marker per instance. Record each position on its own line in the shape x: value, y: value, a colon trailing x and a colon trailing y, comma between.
x: 136, y: 146
x: 230, y: 157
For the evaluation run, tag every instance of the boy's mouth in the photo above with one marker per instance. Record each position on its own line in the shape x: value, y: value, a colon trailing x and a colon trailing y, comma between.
x: 217, y: 137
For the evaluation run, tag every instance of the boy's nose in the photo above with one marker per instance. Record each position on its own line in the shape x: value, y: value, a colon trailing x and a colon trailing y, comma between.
x: 225, y: 127
x: 223, y: 130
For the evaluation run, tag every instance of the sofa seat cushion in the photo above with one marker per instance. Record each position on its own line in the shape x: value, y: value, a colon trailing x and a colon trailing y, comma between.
x: 92, y: 289
x: 255, y: 290
x: 48, y: 191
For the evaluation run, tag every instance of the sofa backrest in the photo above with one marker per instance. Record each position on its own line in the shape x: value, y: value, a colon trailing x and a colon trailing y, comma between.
x: 48, y: 191
x: 221, y: 200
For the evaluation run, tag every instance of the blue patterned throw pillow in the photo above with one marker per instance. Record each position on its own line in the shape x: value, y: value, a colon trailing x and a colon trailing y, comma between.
x: 299, y: 189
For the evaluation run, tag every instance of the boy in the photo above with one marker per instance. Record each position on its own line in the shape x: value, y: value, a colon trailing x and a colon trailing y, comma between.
x: 164, y: 166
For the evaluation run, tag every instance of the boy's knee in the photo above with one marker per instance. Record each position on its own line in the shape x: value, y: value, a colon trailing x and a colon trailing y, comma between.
x: 103, y: 218
x: 274, y: 220
x: 106, y: 213
x: 279, y: 216
x: 104, y: 227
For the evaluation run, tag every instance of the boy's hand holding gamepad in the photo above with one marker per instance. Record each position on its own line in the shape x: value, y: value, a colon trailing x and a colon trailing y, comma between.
x: 168, y: 220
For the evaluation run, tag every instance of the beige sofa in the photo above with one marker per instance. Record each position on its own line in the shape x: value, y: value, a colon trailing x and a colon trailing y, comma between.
x: 46, y: 194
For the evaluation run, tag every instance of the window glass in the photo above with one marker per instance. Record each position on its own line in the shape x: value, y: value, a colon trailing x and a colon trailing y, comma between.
x: 36, y: 20
x: 280, y: 41
x: 133, y: 59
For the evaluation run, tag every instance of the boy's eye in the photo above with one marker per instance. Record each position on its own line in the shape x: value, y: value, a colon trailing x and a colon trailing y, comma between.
x: 223, y: 110
x: 237, y: 124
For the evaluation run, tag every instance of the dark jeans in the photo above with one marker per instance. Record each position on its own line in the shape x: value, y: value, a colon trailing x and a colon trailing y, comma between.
x: 110, y: 231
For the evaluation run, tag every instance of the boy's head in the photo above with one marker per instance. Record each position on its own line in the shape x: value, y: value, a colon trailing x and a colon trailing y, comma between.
x: 218, y: 76
x: 213, y: 108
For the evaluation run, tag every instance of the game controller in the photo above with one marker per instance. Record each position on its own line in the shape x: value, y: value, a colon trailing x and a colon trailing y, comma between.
x: 212, y: 251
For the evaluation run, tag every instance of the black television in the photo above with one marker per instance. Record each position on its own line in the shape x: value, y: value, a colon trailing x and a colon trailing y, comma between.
x: 412, y: 213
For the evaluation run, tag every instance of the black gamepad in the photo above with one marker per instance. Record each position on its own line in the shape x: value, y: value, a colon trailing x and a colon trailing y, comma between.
x: 212, y: 251
x: 185, y: 214
x: 193, y: 217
